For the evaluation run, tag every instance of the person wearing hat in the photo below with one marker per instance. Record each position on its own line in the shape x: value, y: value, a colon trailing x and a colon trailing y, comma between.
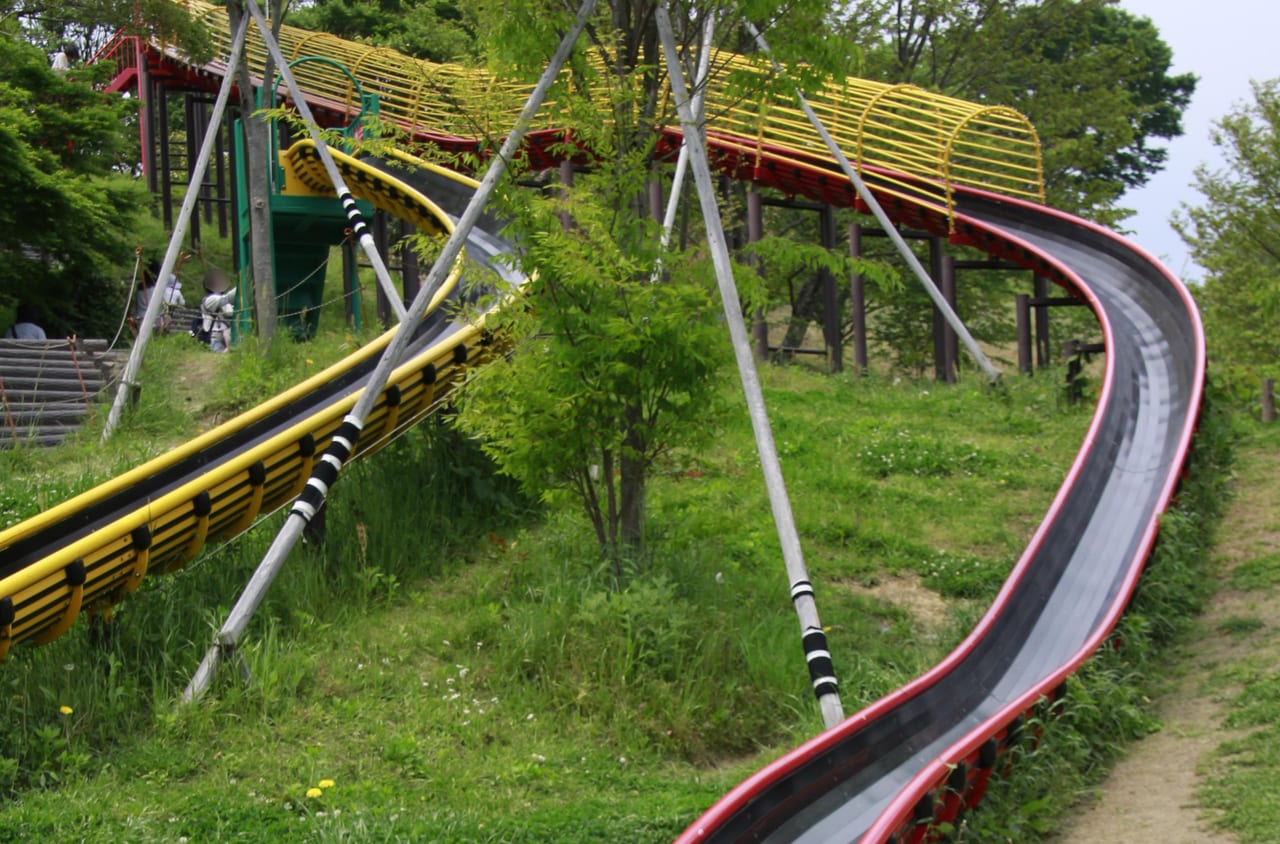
x: 216, y: 309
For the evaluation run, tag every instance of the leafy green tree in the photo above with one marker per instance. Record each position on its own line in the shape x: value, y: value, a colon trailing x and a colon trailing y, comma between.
x: 70, y: 214
x: 1234, y: 233
x: 608, y: 371
x: 441, y: 31
x: 611, y: 366
x: 89, y: 24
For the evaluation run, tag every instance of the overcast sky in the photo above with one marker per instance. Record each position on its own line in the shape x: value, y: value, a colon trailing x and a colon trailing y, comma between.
x: 1225, y: 43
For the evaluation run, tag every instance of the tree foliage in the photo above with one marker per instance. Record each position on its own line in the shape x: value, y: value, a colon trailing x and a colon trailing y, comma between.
x: 70, y: 210
x: 440, y: 30
x: 608, y: 371
x: 89, y: 24
x: 1234, y: 233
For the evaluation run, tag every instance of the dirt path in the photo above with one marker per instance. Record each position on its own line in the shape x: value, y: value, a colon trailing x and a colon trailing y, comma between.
x: 1151, y: 794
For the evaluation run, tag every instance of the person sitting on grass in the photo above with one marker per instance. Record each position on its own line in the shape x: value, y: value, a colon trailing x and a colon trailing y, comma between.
x: 216, y: 309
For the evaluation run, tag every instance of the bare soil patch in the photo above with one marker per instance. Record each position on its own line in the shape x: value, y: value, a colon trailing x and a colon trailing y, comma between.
x: 926, y: 606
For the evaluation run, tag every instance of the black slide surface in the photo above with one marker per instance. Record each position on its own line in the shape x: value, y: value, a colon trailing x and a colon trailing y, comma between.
x: 1073, y: 580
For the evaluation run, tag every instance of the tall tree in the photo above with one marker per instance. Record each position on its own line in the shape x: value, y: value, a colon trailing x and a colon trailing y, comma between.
x: 1234, y: 233
x: 89, y: 24
x: 71, y: 212
x: 612, y: 367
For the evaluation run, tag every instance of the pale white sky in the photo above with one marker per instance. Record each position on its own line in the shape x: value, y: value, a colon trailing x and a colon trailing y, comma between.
x: 1225, y: 43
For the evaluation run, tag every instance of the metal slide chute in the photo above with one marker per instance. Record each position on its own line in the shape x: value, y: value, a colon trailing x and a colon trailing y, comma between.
x: 886, y: 768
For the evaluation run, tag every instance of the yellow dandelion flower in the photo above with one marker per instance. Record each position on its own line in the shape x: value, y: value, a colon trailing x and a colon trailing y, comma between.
x: 65, y: 710
x: 326, y: 783
x: 314, y: 792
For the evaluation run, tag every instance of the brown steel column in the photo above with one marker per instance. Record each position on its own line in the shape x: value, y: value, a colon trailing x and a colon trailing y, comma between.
x: 1044, y: 352
x: 566, y: 179
x: 409, y: 273
x: 162, y: 137
x: 1023, y: 310
x: 656, y: 209
x: 936, y: 245
x: 950, y: 342
x: 191, y: 116
x: 858, y: 303
x: 1268, y: 400
x: 830, y: 297
x: 755, y: 231
x: 146, y: 125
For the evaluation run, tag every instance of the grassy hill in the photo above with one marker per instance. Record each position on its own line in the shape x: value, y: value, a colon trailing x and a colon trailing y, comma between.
x: 452, y: 663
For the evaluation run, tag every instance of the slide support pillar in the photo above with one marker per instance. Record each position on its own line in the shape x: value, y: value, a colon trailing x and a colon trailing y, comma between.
x: 821, y: 672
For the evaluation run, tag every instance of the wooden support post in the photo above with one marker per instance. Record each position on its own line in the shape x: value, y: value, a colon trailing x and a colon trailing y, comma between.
x: 1044, y: 352
x: 950, y: 343
x: 1268, y: 400
x: 1023, y: 308
x: 858, y: 303
x: 755, y: 231
x: 380, y: 241
x: 831, y: 322
x: 936, y: 247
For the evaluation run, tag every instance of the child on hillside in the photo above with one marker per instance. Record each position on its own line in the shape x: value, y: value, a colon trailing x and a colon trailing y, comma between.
x: 216, y: 309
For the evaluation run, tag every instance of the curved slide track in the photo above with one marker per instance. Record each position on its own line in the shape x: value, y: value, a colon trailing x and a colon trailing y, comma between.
x: 89, y: 552
x: 920, y: 755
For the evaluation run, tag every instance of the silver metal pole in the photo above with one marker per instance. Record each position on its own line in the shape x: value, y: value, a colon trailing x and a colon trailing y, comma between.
x: 869, y: 198
x: 128, y: 378
x: 358, y: 227
x: 818, y: 657
x: 682, y: 160
x: 345, y: 438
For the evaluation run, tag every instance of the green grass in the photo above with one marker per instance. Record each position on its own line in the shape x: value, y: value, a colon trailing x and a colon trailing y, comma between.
x: 464, y: 668
x: 1243, y: 778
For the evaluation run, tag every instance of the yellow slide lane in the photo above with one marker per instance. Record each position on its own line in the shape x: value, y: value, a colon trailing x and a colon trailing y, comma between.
x: 90, y: 551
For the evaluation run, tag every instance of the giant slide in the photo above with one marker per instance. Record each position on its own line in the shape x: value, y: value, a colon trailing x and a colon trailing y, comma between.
x: 908, y: 762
